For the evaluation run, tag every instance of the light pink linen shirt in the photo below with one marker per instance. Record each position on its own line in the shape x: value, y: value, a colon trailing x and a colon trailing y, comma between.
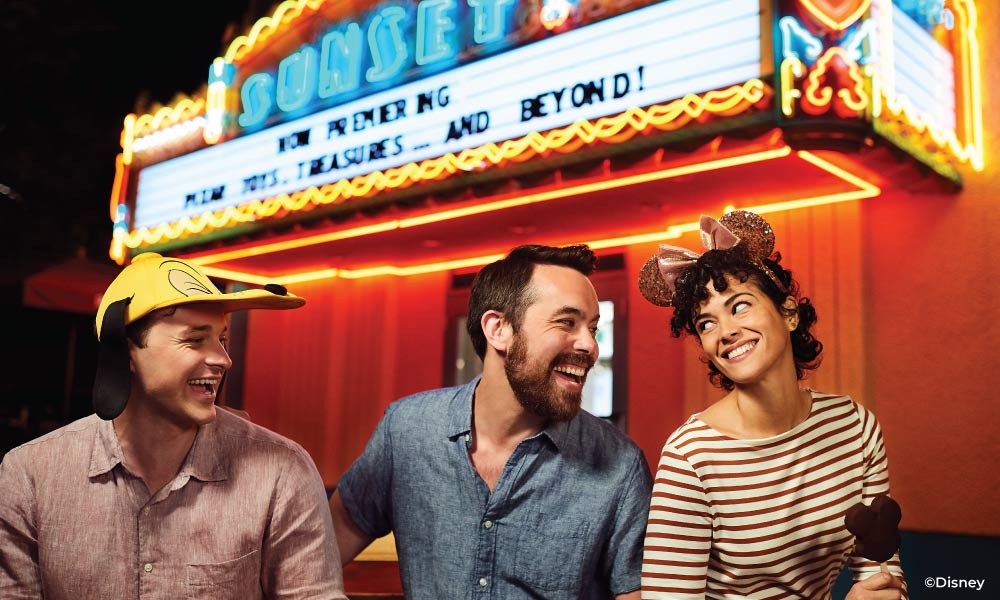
x: 246, y: 517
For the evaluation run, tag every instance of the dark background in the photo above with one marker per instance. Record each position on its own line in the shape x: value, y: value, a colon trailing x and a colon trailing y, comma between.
x: 69, y: 73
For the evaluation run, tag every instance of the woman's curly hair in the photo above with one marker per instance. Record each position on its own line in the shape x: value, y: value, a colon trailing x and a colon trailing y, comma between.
x: 691, y: 289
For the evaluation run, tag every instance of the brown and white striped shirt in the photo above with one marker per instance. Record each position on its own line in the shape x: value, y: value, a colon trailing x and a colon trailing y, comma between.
x: 763, y: 518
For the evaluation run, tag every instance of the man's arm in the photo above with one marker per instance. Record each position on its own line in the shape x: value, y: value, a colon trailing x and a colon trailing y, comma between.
x: 350, y: 539
x: 19, y: 572
x: 299, y: 557
x: 623, y: 560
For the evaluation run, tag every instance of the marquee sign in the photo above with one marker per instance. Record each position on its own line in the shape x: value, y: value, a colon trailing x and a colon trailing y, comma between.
x: 657, y: 53
x: 316, y: 106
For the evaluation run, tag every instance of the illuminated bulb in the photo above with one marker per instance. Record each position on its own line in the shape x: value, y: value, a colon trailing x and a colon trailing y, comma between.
x: 554, y: 13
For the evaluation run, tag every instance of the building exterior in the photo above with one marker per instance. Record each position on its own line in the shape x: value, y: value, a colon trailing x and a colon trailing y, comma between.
x: 371, y: 157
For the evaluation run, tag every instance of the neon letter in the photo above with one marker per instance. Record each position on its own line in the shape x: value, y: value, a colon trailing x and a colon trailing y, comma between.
x: 256, y: 94
x: 297, y: 79
x: 489, y: 20
x: 340, y: 61
x: 381, y: 70
x: 432, y: 24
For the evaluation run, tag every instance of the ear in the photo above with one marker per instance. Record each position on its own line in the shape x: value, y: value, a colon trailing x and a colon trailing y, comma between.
x: 791, y: 308
x: 497, y: 330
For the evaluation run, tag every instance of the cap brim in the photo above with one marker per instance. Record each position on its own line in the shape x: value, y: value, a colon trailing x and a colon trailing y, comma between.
x: 242, y: 300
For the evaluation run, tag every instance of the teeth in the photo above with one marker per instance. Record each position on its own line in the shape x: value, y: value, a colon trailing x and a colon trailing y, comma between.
x: 577, y: 371
x: 741, y: 350
x: 202, y: 382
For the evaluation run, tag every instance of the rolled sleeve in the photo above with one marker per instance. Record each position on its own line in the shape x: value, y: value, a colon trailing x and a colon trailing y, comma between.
x: 624, y: 556
x: 366, y: 487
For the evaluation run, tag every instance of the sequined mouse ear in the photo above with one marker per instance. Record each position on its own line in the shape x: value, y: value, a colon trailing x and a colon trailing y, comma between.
x: 754, y: 232
x: 652, y: 286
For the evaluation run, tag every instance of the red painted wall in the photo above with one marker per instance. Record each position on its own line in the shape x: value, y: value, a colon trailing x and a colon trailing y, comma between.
x: 906, y: 285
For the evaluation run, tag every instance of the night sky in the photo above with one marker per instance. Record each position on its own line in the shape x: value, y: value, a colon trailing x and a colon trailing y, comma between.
x: 71, y: 71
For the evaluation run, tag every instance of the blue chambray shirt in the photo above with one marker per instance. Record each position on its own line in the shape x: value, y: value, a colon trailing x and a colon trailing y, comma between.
x: 566, y: 519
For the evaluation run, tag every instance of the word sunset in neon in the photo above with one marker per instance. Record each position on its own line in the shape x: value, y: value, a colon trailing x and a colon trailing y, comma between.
x: 389, y: 45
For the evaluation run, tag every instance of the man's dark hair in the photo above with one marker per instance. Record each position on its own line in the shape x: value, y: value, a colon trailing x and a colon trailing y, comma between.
x: 138, y: 330
x: 503, y: 286
x: 691, y: 289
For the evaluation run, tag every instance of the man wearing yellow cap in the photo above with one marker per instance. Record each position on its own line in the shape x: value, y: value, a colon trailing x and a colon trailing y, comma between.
x: 159, y: 494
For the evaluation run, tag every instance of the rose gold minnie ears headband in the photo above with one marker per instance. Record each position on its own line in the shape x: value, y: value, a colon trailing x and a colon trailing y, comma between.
x: 659, y: 274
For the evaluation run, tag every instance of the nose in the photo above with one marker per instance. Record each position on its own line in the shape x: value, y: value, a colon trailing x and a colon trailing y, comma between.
x: 728, y: 329
x: 586, y: 343
x: 218, y: 357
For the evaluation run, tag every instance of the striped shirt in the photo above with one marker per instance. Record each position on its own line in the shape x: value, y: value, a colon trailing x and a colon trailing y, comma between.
x: 763, y: 518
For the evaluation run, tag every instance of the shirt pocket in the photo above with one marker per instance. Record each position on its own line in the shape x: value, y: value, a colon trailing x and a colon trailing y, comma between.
x: 551, y: 553
x: 237, y: 579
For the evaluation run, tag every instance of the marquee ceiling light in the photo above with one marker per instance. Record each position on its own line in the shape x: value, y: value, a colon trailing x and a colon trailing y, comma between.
x: 865, y: 190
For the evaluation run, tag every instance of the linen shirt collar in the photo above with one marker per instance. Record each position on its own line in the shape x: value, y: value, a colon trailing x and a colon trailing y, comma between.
x: 461, y: 417
x: 206, y: 461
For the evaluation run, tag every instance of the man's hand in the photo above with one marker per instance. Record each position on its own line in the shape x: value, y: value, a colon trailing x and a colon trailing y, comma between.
x: 880, y: 586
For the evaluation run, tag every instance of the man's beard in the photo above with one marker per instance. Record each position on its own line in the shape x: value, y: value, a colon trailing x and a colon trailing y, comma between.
x: 533, y: 386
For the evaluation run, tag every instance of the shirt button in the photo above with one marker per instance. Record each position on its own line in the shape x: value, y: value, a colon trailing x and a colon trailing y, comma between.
x: 488, y: 524
x: 147, y: 567
x: 145, y: 510
x: 468, y: 437
x: 483, y: 582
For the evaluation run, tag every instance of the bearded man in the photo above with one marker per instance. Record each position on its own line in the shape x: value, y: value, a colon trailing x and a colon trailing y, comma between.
x: 503, y: 488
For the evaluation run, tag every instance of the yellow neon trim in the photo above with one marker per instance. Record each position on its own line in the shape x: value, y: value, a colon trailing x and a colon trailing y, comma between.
x: 617, y: 128
x: 826, y: 92
x: 296, y: 243
x: 117, y: 249
x: 790, y: 69
x: 491, y: 206
x: 116, y: 188
x: 287, y: 11
x: 831, y: 22
x: 889, y: 106
x: 215, y: 105
x: 866, y: 190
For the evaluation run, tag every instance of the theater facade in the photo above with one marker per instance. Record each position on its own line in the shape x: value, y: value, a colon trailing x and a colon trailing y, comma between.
x: 372, y: 156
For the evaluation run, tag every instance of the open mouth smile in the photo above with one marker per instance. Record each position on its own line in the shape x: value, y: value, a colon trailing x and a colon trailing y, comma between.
x: 208, y: 386
x: 573, y: 374
x: 740, y: 351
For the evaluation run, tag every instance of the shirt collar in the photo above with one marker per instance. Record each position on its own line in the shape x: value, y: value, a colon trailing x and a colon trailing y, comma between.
x: 461, y: 409
x: 107, y: 452
x: 461, y: 417
x: 206, y: 461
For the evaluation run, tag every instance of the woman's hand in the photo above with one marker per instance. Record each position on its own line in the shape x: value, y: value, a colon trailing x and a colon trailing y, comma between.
x: 880, y: 586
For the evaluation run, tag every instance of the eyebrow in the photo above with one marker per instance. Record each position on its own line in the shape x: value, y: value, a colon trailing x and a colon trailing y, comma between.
x: 729, y: 301
x: 572, y: 310
x: 202, y: 329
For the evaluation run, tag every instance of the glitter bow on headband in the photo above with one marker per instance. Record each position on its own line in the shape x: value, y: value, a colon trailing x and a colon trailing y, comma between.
x: 659, y: 274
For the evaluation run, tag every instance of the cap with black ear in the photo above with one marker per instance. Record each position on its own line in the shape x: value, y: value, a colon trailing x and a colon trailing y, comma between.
x: 149, y: 283
x: 113, y: 379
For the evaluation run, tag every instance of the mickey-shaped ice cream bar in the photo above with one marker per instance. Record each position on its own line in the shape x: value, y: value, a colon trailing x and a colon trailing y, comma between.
x: 875, y: 527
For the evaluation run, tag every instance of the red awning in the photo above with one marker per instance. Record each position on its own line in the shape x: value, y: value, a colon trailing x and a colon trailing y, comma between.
x: 72, y: 286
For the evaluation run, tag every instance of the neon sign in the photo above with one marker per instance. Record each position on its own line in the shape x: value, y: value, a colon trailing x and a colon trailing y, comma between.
x: 372, y: 52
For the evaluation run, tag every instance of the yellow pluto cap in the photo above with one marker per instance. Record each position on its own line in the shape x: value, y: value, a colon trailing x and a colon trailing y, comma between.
x: 153, y: 281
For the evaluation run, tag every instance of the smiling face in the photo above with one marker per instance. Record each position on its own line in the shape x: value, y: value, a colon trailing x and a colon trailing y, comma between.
x: 177, y: 373
x: 555, y: 347
x: 744, y: 334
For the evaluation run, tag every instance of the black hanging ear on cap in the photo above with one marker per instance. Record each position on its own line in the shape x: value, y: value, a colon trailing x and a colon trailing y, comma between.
x: 114, y: 378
